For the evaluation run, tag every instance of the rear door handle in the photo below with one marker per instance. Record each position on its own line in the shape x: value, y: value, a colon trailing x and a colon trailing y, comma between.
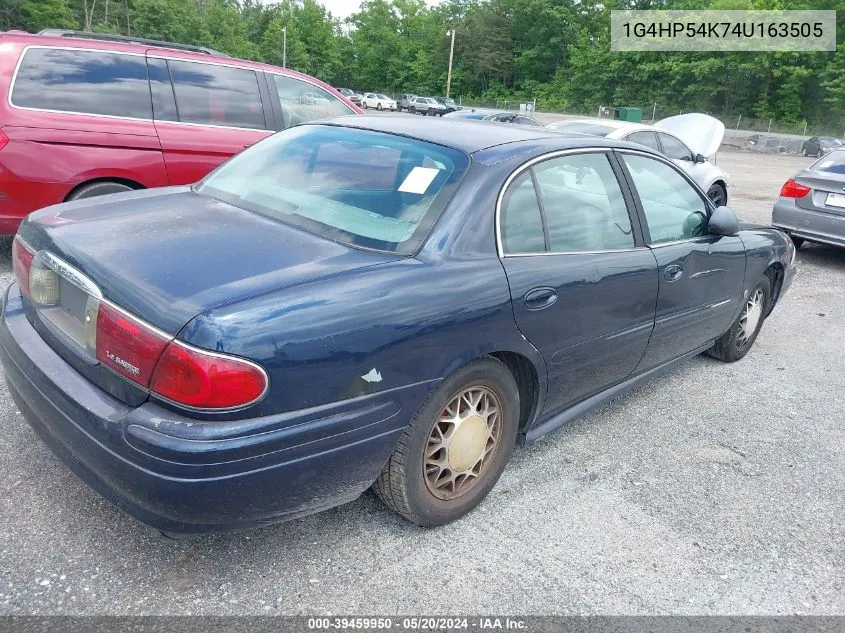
x: 539, y: 298
x: 673, y: 272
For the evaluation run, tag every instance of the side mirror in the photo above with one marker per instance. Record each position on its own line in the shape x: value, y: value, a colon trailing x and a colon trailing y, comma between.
x: 723, y: 221
x: 700, y: 158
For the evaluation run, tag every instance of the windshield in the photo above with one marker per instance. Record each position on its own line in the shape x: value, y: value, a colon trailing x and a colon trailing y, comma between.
x: 358, y: 187
x: 833, y: 163
x: 593, y: 129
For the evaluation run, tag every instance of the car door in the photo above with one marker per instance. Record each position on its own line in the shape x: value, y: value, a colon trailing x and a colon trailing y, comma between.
x: 583, y: 286
x: 212, y: 111
x: 701, y: 276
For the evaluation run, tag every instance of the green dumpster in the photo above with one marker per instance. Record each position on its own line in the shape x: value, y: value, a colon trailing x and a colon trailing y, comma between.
x: 632, y: 115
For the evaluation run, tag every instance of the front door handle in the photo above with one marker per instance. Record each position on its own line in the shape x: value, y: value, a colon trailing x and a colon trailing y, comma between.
x: 539, y: 298
x: 673, y: 272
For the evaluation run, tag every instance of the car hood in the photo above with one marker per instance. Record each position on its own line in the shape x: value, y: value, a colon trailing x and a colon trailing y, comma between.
x: 700, y: 132
x: 169, y: 254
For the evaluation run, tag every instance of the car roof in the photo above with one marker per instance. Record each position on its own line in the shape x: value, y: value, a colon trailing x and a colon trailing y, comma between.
x: 458, y: 133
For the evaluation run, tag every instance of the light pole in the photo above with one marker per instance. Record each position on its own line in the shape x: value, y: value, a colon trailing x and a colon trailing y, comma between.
x: 451, y: 55
x: 284, y: 47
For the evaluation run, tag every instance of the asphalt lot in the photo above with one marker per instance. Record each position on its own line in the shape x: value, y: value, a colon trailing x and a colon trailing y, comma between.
x: 717, y: 489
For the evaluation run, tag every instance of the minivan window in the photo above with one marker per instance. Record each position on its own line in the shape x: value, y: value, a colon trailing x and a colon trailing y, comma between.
x: 302, y: 102
x: 216, y: 95
x: 85, y: 82
x: 320, y: 178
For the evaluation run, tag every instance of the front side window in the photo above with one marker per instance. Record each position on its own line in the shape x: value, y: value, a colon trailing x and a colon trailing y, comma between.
x: 85, y: 82
x: 302, y: 102
x: 358, y: 187
x: 673, y: 148
x: 216, y: 95
x: 673, y: 209
x: 583, y: 204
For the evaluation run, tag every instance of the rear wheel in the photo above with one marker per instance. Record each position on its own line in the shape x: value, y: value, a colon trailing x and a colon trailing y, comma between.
x: 735, y: 343
x: 378, y: 106
x: 412, y: 110
x: 798, y: 241
x: 99, y: 189
x: 455, y: 448
x: 717, y: 194
x: 430, y: 112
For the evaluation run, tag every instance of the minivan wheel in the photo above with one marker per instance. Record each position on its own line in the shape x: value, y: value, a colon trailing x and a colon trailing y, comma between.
x: 735, y: 343
x: 456, y: 447
x: 98, y: 189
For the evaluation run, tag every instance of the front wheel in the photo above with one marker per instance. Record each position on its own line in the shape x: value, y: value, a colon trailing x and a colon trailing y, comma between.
x: 798, y: 241
x: 412, y: 110
x: 819, y: 154
x: 735, y: 343
x: 456, y: 447
x: 717, y: 195
x: 430, y: 112
x: 378, y: 107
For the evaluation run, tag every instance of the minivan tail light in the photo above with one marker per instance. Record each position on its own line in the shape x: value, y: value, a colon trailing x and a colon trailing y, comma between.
x: 792, y: 189
x: 22, y: 256
x: 125, y: 344
x: 207, y: 380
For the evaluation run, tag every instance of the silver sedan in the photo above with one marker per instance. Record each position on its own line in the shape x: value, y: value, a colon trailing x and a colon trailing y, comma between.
x: 811, y: 205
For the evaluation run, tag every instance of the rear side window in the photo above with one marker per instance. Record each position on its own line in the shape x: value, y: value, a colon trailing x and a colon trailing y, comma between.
x: 522, y: 222
x: 673, y: 148
x: 216, y: 95
x: 85, y: 82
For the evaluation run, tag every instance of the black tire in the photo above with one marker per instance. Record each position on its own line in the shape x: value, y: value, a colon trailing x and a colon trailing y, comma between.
x: 803, y: 150
x: 403, y: 485
x: 99, y: 189
x: 728, y: 347
x: 717, y: 194
x: 412, y: 110
x: 798, y: 241
x: 378, y: 107
x: 819, y: 153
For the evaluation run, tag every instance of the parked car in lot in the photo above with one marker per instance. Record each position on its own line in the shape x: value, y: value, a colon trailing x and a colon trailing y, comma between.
x: 89, y: 114
x: 378, y: 101
x: 353, y: 96
x: 426, y: 105
x: 447, y: 103
x: 493, y: 115
x: 403, y: 101
x: 811, y: 204
x: 366, y: 301
x: 687, y: 139
x: 819, y: 145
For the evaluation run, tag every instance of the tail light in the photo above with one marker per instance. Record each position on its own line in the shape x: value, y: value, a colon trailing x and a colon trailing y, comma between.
x: 207, y: 380
x: 22, y: 256
x: 792, y: 189
x: 4, y: 140
x: 173, y: 370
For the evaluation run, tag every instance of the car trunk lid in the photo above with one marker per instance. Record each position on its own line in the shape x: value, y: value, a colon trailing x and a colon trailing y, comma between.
x: 827, y: 193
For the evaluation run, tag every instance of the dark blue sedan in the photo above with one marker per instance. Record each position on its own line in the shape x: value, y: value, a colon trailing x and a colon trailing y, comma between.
x: 368, y: 301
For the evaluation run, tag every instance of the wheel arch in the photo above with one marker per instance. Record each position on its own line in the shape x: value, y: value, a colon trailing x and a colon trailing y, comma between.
x: 775, y: 272
x: 118, y: 179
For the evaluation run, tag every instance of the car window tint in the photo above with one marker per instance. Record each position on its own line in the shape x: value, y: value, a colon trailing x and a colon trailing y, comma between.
x: 524, y: 120
x: 303, y: 102
x: 673, y: 208
x: 164, y: 103
x: 644, y: 138
x: 673, y: 148
x: 832, y: 163
x: 342, y: 165
x: 583, y: 203
x: 521, y: 222
x: 593, y: 129
x: 86, y: 82
x: 216, y: 95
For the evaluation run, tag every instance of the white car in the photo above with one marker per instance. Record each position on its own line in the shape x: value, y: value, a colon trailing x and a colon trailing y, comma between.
x: 378, y: 101
x: 426, y: 105
x: 687, y: 139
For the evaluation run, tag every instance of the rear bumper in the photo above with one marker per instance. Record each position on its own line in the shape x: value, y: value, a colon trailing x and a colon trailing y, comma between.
x: 184, y: 475
x: 816, y: 226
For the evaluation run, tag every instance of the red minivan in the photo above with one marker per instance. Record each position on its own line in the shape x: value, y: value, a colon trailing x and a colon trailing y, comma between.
x: 84, y: 114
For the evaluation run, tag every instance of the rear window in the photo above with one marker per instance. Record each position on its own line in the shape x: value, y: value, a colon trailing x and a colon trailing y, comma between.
x: 358, y: 187
x: 593, y: 129
x: 216, y: 95
x: 85, y: 82
x: 833, y: 163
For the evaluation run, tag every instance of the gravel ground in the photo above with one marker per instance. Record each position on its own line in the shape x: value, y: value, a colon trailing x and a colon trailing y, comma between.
x: 716, y: 489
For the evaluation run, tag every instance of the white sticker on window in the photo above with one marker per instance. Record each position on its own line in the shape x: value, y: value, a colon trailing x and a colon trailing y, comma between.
x: 418, y: 180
